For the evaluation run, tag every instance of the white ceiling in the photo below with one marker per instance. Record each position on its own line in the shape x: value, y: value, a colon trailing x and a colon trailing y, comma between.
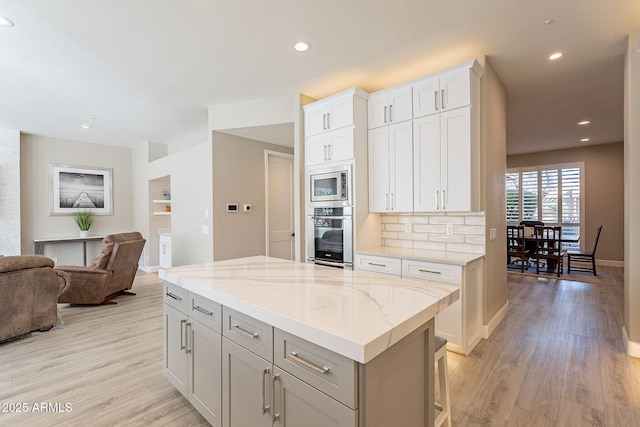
x: 148, y: 69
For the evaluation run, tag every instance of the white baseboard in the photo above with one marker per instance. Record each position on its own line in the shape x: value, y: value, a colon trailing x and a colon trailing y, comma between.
x: 632, y: 348
x: 609, y: 263
x: 488, y: 329
x: 149, y: 268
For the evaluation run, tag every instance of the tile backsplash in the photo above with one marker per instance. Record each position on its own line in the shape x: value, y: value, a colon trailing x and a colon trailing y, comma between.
x: 454, y: 232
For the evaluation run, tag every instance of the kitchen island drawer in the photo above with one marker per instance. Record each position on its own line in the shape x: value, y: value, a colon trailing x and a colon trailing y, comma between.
x: 175, y: 296
x: 378, y: 264
x: 323, y: 369
x: 424, y: 270
x: 250, y: 333
x: 208, y: 312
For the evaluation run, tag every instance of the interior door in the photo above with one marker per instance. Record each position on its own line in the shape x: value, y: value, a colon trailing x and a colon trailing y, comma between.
x: 280, y: 224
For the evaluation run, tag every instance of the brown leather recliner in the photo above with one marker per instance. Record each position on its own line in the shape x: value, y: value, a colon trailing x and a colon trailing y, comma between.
x: 111, y: 273
x: 29, y: 290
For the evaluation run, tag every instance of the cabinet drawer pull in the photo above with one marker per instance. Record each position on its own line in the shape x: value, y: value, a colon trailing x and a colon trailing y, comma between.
x: 174, y: 296
x: 377, y: 265
x: 294, y: 357
x: 203, y: 311
x: 429, y: 271
x: 253, y: 335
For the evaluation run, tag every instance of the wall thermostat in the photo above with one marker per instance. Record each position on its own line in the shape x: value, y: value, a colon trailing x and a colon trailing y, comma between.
x: 246, y: 208
x: 232, y: 207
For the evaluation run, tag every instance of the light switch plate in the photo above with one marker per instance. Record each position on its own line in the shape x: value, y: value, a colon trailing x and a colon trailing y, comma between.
x: 493, y: 233
x: 205, y: 229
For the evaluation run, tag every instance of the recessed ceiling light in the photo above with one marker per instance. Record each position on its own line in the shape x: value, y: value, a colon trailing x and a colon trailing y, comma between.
x: 555, y: 55
x: 301, y: 46
x: 5, y: 22
x: 585, y: 140
x: 547, y: 21
x: 85, y: 126
x: 584, y: 122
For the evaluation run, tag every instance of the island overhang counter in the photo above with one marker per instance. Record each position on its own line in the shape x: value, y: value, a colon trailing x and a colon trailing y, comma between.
x: 383, y: 324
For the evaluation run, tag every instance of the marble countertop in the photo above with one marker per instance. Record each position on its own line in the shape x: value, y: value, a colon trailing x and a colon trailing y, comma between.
x: 457, y: 258
x: 356, y: 314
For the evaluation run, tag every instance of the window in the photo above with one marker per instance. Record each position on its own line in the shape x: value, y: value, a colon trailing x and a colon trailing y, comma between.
x: 551, y: 194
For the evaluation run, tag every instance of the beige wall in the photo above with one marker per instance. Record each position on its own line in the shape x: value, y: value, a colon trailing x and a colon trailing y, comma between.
x: 493, y: 154
x: 238, y: 177
x: 37, y: 153
x: 604, y: 191
x: 632, y: 196
x: 10, y: 192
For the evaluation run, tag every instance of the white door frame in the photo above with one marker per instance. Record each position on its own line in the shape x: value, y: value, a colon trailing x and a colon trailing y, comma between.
x: 268, y: 153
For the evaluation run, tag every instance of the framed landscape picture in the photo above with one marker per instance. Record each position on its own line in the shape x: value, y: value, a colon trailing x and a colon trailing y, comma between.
x: 76, y: 188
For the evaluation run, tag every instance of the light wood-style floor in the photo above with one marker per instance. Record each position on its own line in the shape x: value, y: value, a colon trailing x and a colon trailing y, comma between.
x: 557, y: 359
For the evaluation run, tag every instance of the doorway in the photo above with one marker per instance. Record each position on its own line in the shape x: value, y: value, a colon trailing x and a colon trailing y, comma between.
x: 279, y: 209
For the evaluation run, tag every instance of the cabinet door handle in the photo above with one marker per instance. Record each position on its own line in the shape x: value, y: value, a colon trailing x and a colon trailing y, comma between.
x: 385, y: 114
x: 330, y: 151
x: 442, y: 102
x: 266, y: 406
x: 377, y: 265
x: 328, y: 120
x: 276, y: 410
x: 203, y: 311
x: 435, y: 100
x: 324, y: 122
x: 325, y: 152
x: 391, y: 203
x: 253, y: 335
x: 429, y: 271
x: 390, y: 113
x: 183, y: 332
x: 300, y: 361
x: 443, y: 200
x: 386, y: 201
x: 174, y: 296
x: 437, y: 194
x: 189, y: 333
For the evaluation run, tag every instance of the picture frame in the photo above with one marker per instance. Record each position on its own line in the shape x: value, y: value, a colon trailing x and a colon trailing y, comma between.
x: 76, y: 188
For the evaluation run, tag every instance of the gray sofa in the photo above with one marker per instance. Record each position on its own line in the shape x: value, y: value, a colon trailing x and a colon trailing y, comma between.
x: 30, y: 288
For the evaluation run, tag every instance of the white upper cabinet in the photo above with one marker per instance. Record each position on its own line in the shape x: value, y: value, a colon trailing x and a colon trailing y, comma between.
x: 390, y: 168
x: 330, y: 146
x: 446, y: 161
x: 387, y: 107
x: 437, y: 94
x: 328, y: 114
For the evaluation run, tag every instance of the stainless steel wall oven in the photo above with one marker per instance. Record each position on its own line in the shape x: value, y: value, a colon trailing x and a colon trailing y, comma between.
x: 330, y: 238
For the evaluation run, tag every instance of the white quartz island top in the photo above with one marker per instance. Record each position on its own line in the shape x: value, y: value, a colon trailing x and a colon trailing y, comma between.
x: 456, y: 258
x: 356, y: 314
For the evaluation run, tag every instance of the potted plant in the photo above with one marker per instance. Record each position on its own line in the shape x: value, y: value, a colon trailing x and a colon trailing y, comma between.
x: 84, y: 219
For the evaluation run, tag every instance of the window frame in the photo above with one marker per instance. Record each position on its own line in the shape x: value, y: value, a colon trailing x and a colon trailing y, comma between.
x: 557, y: 167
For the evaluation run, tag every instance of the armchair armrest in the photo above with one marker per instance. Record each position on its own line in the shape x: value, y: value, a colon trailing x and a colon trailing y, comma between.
x: 64, y: 280
x: 87, y: 284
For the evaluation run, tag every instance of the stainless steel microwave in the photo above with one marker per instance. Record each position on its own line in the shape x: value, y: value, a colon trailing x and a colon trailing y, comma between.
x: 330, y: 186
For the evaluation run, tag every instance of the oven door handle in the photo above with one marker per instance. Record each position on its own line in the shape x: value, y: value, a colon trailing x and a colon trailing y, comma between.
x: 329, y: 217
x: 330, y: 264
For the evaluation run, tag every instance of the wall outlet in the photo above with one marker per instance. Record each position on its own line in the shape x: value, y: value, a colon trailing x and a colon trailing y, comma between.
x: 449, y: 229
x: 407, y: 228
x: 205, y: 229
x: 493, y: 233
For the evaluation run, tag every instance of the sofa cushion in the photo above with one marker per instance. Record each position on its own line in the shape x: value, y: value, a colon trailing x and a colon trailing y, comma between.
x: 21, y: 262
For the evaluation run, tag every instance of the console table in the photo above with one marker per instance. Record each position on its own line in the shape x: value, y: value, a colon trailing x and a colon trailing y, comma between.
x: 38, y: 244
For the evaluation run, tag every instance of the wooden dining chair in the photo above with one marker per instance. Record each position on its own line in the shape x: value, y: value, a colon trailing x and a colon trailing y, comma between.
x: 584, y: 257
x: 516, y: 247
x: 549, y: 248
